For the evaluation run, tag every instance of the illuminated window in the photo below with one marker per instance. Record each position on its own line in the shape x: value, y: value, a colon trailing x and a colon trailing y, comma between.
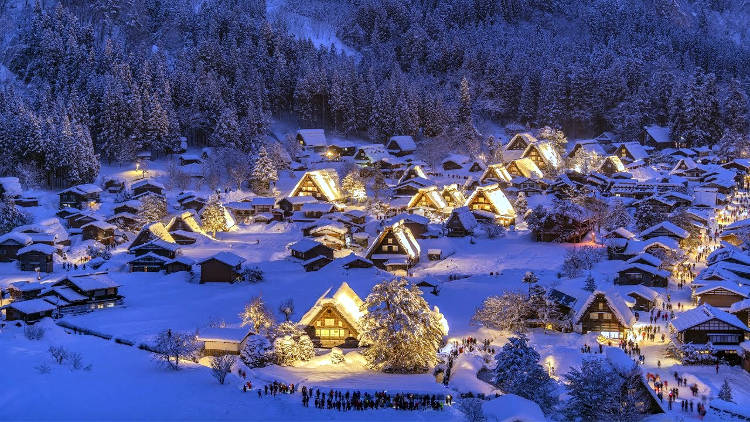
x: 325, y: 333
x: 318, y: 323
x: 330, y: 322
x: 340, y: 324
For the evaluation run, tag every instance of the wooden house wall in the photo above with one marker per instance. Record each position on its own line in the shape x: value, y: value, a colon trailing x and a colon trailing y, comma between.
x: 31, y: 260
x: 605, y: 319
x: 215, y: 271
x: 330, y: 321
x: 720, y: 298
x: 700, y: 333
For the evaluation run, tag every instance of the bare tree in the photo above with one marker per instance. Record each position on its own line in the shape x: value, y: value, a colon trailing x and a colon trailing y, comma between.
x: 221, y: 366
x: 59, y: 354
x: 172, y: 346
x: 287, y: 308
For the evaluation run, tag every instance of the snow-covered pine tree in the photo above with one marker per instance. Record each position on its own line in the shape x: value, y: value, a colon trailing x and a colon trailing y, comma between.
x: 10, y: 216
x: 257, y: 315
x: 507, y: 312
x: 227, y: 132
x: 527, y: 105
x: 590, y: 283
x: 464, y: 108
x: 725, y: 393
x: 264, y: 172
x: 735, y: 108
x: 153, y: 208
x: 257, y: 352
x: 618, y: 216
x: 521, y: 205
x: 519, y: 372
x: 401, y: 332
x: 213, y: 218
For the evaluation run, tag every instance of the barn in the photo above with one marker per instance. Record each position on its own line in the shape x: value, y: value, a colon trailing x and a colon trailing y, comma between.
x: 224, y: 267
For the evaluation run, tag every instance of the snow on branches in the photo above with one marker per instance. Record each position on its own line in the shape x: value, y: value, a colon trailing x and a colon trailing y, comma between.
x: 518, y: 372
x: 402, y: 332
x: 257, y: 315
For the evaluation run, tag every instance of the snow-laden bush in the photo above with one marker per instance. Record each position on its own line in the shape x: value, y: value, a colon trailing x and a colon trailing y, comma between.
x: 58, y: 353
x: 506, y: 312
x: 580, y: 259
x: 171, y: 346
x: 252, y: 273
x: 257, y: 315
x: 337, y: 356
x: 287, y: 349
x: 726, y: 391
x: 11, y: 216
x: 257, y: 352
x: 221, y: 366
x: 33, y: 332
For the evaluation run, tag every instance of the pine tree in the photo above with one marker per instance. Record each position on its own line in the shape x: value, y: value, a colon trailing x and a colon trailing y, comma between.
x: 528, y: 104
x: 264, y: 172
x: 618, y: 216
x: 518, y: 372
x: 726, y: 391
x: 401, y: 332
x: 464, y: 108
x: 10, y: 216
x: 590, y: 283
x: 227, y: 132
x: 153, y: 208
x: 735, y: 108
x: 521, y: 205
x: 213, y: 216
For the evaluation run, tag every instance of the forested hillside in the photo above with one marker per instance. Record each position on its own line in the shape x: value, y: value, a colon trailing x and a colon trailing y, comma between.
x: 109, y: 78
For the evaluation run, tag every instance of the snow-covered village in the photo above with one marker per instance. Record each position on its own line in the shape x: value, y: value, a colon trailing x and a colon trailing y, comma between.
x: 300, y: 210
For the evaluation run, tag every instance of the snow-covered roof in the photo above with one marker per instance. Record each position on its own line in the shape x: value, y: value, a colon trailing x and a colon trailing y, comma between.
x: 589, y: 146
x: 88, y: 282
x: 733, y: 287
x: 498, y: 172
x: 616, y: 163
x: 404, y: 237
x: 645, y: 256
x: 226, y: 335
x: 644, y: 292
x: 313, y: 137
x: 189, y: 217
x: 528, y: 168
x: 620, y: 232
x: 686, y: 162
x: 263, y: 201
x: 646, y: 268
x: 32, y: 306
x: 37, y: 247
x: 616, y: 304
x: 547, y: 152
x: 635, y: 149
x: 302, y: 199
x: 25, y: 286
x: 303, y: 245
x: 691, y: 318
x: 327, y: 181
x: 159, y: 244
x: 410, y: 218
x: 660, y: 134
x: 403, y: 142
x: 345, y: 300
x: 510, y: 407
x: 84, y: 189
x: 414, y: 168
x: 739, y: 306
x: 432, y: 195
x: 225, y: 257
x: 635, y: 247
x: 146, y: 182
x: 101, y: 225
x: 11, y: 185
x: 68, y: 294
x: 159, y: 231
x: 524, y: 138
x: 20, y: 238
x: 668, y: 226
x: 459, y: 159
x: 465, y: 217
x: 455, y: 195
x: 182, y: 259
x: 497, y: 199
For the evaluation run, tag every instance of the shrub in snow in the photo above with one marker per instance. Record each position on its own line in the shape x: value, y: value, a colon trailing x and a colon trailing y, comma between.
x: 518, y: 372
x: 530, y: 279
x: 401, y: 331
x: 221, y: 366
x: 257, y: 315
x: 287, y: 350
x: 493, y: 231
x: 43, y: 368
x: 257, y: 352
x: 33, y: 332
x: 726, y: 391
x: 58, y: 353
x: 597, y: 392
x: 171, y: 346
x: 286, y: 328
x: 691, y: 354
x: 590, y: 284
x: 337, y: 356
x: 580, y: 259
x: 98, y: 251
x: 506, y: 312
x: 287, y: 308
x: 252, y: 274
x: 76, y: 361
x: 472, y: 409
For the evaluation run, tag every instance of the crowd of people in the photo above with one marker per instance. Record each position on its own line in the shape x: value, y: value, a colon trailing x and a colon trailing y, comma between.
x: 662, y: 390
x: 356, y: 400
